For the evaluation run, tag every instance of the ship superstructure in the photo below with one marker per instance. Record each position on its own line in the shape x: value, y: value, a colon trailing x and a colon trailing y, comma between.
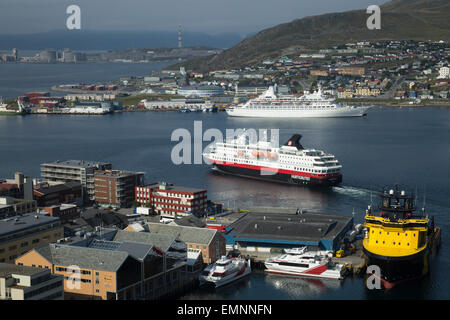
x: 310, y: 105
x: 290, y: 163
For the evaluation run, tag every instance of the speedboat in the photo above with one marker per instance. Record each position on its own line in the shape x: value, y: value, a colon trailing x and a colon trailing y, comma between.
x: 225, y: 270
x: 316, y: 264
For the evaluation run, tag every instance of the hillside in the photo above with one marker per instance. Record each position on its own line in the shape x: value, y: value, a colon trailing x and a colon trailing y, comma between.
x: 400, y: 20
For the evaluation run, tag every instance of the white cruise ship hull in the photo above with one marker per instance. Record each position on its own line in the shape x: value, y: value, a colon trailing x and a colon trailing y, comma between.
x: 317, y: 113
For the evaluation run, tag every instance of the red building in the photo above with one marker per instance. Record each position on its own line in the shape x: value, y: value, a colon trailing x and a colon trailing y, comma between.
x: 168, y: 200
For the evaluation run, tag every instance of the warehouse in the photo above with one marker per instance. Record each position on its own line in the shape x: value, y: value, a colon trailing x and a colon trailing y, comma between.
x: 271, y: 231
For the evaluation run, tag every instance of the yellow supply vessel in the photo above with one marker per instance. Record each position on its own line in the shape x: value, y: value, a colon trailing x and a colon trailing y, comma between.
x: 397, y: 239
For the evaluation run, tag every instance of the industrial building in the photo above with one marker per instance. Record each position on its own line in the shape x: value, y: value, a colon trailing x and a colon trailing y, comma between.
x: 271, y: 230
x: 200, y: 91
x: 74, y: 170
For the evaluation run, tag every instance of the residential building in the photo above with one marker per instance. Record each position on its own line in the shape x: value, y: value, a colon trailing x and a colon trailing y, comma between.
x: 48, y: 195
x: 170, y: 201
x: 29, y: 283
x: 22, y: 233
x: 115, y: 187
x: 74, y: 170
x: 210, y: 242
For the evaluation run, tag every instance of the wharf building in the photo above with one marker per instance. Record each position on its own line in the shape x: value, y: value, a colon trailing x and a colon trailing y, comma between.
x: 210, y: 242
x: 29, y: 283
x: 261, y: 232
x: 116, y: 188
x: 115, y: 265
x: 74, y: 170
x: 200, y: 91
x: 171, y: 201
x: 23, y: 233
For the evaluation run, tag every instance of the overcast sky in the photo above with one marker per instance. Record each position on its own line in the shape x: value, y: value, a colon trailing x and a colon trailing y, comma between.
x: 211, y: 16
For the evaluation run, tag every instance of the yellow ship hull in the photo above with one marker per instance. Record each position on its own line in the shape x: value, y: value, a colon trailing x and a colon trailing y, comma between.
x: 399, y: 269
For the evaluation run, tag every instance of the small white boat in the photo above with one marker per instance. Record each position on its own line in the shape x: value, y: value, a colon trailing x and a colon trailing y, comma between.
x: 225, y: 270
x: 315, y: 264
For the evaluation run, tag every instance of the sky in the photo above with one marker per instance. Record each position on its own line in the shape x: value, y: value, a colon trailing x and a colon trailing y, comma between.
x: 210, y: 16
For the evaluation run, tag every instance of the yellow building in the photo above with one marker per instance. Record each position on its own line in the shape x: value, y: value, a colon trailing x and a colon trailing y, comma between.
x: 20, y: 234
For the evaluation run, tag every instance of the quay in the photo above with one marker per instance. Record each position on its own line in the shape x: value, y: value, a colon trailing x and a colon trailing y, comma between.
x: 263, y: 232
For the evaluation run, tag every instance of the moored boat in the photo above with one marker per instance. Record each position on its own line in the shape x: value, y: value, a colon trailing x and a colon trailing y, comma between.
x: 314, y: 264
x: 225, y: 270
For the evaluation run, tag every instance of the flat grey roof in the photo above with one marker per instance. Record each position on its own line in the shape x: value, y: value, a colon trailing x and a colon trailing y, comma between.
x: 288, y: 226
x: 76, y: 163
x: 18, y: 223
x: 170, y: 187
x: 8, y: 269
x: 186, y: 234
x: 116, y: 173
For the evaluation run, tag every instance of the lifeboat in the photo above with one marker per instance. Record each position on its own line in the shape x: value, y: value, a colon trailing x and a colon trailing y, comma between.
x: 240, y: 154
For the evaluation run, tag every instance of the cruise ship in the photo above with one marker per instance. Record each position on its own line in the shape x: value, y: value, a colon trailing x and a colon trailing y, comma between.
x: 315, y: 264
x: 225, y: 270
x: 399, y: 240
x: 290, y: 163
x: 310, y: 105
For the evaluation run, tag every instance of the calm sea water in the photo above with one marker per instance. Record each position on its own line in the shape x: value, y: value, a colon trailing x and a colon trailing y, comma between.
x: 20, y: 78
x: 409, y: 146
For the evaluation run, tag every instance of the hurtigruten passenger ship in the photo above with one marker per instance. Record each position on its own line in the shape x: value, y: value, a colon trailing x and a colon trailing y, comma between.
x: 315, y: 105
x: 290, y: 163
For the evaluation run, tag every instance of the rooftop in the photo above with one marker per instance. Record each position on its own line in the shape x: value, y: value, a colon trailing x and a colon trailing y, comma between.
x: 58, y: 187
x: 116, y: 173
x: 185, y: 234
x: 8, y: 269
x: 17, y: 223
x: 76, y: 163
x: 83, y: 257
x: 170, y: 186
x: 288, y: 226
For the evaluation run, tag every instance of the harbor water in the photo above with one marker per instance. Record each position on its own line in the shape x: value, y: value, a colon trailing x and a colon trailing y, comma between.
x: 408, y: 146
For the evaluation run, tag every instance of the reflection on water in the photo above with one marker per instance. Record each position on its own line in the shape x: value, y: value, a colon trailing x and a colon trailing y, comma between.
x: 302, y: 288
x: 241, y: 192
